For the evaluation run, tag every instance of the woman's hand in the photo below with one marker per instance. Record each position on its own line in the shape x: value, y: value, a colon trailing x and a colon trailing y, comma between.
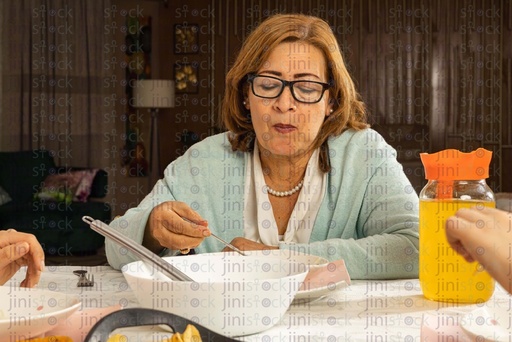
x: 174, y: 225
x: 20, y: 249
x: 244, y: 244
x: 484, y: 235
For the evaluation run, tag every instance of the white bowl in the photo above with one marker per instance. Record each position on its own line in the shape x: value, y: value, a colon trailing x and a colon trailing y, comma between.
x: 27, y: 313
x: 233, y: 295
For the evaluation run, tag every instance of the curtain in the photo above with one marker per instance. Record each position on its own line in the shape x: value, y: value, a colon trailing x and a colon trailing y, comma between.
x: 54, y: 61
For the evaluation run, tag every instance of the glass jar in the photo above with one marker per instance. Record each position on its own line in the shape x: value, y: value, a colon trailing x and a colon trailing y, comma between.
x: 455, y: 180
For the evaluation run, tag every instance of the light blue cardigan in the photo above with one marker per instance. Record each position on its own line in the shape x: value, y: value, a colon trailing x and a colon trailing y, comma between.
x: 368, y: 217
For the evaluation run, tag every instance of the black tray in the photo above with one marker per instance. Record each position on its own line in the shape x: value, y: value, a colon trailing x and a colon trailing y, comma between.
x: 139, y: 317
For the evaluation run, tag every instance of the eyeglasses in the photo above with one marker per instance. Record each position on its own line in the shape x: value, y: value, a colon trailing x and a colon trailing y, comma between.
x: 269, y: 87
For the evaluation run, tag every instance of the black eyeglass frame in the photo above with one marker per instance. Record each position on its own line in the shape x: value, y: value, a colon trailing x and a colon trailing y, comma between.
x: 289, y: 84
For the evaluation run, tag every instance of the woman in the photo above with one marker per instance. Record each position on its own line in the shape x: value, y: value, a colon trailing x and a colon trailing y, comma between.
x: 20, y: 249
x: 298, y: 168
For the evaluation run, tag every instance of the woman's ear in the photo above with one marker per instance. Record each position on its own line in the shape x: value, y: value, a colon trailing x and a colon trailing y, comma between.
x: 246, y: 104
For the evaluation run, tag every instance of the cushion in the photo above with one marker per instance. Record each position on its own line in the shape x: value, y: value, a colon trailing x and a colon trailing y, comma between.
x: 84, y: 188
x: 68, y: 186
x: 4, y: 196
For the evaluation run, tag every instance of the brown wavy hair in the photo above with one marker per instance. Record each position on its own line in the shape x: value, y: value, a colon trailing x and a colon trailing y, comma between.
x: 348, y: 110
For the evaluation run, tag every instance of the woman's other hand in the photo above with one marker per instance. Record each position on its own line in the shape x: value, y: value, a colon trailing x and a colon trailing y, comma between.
x: 244, y: 244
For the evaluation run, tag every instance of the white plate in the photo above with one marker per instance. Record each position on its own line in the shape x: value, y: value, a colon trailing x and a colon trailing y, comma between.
x: 488, y: 324
x: 323, y: 283
x: 26, y: 313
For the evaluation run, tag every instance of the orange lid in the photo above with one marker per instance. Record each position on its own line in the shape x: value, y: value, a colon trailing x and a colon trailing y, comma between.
x: 453, y: 164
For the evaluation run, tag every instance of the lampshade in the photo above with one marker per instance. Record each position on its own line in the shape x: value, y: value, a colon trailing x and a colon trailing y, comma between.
x: 153, y: 94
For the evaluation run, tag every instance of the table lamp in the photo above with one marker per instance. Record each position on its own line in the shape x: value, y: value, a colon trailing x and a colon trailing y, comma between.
x: 153, y: 94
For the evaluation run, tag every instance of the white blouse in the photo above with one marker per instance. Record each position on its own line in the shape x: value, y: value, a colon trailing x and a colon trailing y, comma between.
x: 259, y: 222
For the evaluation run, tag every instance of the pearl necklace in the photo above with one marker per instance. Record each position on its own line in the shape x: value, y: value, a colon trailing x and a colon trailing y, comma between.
x: 284, y: 193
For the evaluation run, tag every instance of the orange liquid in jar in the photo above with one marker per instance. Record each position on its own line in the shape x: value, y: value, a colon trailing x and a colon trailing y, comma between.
x: 445, y: 275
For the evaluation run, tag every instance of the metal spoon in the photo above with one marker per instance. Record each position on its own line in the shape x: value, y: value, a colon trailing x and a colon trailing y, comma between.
x: 227, y: 244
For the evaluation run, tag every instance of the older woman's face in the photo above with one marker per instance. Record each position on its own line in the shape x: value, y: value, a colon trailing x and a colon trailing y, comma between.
x: 284, y: 126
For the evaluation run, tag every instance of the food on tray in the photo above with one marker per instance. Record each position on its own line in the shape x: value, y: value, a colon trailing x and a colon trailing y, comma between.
x: 191, y: 334
x: 50, y: 339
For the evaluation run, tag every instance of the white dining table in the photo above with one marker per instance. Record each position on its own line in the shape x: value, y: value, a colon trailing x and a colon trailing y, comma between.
x: 367, y: 310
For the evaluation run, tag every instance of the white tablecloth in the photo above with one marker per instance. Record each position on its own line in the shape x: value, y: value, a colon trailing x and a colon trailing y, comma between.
x: 391, y: 310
